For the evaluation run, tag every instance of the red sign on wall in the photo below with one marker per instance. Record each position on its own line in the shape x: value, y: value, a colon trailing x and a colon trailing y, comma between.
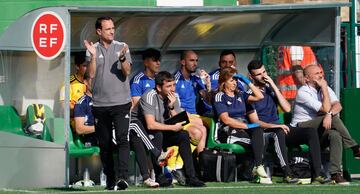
x: 48, y: 35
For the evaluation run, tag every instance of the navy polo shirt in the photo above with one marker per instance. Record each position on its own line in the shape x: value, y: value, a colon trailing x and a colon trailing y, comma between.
x: 235, y: 106
x: 83, y: 108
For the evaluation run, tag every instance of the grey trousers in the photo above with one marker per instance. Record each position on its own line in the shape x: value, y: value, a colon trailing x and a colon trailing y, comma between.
x: 335, y: 138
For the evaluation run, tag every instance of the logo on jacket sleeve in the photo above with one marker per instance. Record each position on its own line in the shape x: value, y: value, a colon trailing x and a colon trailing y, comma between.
x: 239, y: 99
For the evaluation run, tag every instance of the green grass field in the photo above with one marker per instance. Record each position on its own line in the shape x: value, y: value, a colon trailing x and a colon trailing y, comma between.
x: 213, y: 188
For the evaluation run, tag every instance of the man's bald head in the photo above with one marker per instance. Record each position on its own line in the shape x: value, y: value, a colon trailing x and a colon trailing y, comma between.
x: 310, y: 69
x: 313, y: 74
x: 189, y: 61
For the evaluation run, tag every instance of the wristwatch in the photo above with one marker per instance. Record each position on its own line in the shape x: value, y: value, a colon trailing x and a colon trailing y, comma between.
x: 171, y: 107
x: 330, y: 113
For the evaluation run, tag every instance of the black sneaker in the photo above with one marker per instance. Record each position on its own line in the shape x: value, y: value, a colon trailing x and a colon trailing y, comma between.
x: 121, y: 185
x: 179, y: 176
x: 194, y: 182
x: 163, y: 181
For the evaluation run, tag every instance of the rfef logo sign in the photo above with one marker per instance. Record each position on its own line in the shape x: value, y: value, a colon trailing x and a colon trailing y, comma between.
x: 48, y: 35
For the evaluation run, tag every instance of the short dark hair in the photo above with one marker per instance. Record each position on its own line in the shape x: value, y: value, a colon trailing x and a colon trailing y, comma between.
x: 151, y: 53
x: 100, y: 19
x: 227, y: 52
x: 79, y: 58
x: 184, y: 53
x: 254, y: 64
x: 163, y: 76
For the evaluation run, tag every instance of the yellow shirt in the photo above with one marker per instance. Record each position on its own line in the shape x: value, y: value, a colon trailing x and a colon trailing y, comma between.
x: 77, y: 89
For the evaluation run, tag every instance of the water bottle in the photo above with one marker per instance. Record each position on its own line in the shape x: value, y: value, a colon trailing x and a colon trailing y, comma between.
x: 86, y: 175
x: 102, y: 178
x: 201, y: 76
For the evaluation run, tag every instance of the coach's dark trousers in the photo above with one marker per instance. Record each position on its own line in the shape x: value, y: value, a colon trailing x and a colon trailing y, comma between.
x: 107, y: 118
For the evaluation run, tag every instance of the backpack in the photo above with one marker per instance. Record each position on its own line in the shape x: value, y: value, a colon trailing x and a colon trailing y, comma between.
x: 217, y: 165
x: 300, y: 167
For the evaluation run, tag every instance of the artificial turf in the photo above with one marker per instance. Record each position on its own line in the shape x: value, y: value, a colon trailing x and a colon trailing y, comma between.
x: 212, y: 188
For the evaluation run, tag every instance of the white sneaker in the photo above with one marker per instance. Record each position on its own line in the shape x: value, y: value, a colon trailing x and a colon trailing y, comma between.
x: 84, y: 183
x: 265, y: 181
x: 259, y: 171
x: 151, y: 183
x: 89, y: 183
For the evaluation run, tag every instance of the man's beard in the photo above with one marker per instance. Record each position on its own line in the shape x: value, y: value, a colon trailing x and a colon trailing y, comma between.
x: 192, y: 71
x: 315, y: 84
x: 260, y: 83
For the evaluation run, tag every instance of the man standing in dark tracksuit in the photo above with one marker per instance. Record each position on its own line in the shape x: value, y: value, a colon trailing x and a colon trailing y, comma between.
x: 110, y: 67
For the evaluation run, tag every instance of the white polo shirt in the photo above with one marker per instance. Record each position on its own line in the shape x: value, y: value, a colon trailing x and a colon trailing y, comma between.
x: 308, y: 103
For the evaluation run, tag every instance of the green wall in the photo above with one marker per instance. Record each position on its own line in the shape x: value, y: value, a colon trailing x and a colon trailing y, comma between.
x: 351, y: 103
x: 11, y: 10
x: 16, y: 8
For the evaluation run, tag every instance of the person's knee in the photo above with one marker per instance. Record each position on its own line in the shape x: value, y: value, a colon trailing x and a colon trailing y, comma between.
x: 157, y: 139
x: 195, y: 133
x: 280, y: 133
x: 200, y: 133
x: 336, y: 119
x: 156, y: 136
x: 310, y: 131
x: 122, y: 140
x: 334, y: 136
x: 183, y: 135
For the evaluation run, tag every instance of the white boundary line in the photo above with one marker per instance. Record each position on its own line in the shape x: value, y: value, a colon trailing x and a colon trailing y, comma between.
x: 18, y: 190
x: 183, y: 188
